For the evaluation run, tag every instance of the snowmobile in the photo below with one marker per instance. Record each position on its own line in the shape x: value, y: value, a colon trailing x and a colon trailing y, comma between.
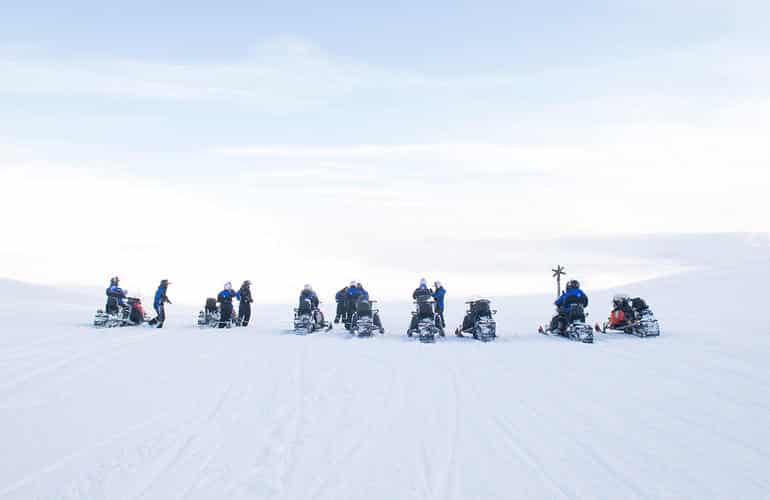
x: 570, y: 324
x: 308, y: 320
x: 426, y: 324
x: 211, y: 316
x: 115, y: 314
x: 365, y: 320
x: 630, y: 316
x: 479, y: 321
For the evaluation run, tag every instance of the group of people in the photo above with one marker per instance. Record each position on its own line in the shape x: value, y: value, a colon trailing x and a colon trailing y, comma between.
x: 226, y: 309
x: 347, y: 300
x: 116, y: 301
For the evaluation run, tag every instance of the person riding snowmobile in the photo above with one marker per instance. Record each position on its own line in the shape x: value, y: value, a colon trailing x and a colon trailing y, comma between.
x: 622, y: 313
x: 308, y: 295
x: 225, y: 299
x: 362, y: 306
x: 421, y: 295
x: 438, y: 296
x: 159, y: 304
x: 422, y: 292
x: 244, y: 303
x: 572, y: 296
x: 115, y: 296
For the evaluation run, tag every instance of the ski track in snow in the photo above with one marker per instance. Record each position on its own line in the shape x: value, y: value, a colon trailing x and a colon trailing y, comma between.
x: 259, y: 413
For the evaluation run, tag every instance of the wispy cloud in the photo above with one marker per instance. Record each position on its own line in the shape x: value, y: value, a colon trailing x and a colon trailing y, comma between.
x: 286, y: 75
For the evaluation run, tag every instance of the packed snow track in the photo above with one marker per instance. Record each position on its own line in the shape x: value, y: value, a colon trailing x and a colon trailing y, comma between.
x: 262, y: 413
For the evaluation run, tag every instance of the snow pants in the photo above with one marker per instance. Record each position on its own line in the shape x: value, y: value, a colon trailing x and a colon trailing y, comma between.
x: 160, y: 310
x: 226, y: 309
x: 440, y: 313
x: 244, y: 313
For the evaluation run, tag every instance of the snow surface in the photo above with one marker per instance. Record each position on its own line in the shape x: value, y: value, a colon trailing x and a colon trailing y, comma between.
x: 262, y: 413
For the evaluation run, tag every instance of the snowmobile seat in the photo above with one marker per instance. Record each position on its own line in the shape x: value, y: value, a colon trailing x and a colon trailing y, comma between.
x: 363, y: 308
x: 480, y: 308
x: 304, y: 306
x: 425, y: 309
x: 575, y: 312
x: 136, y: 311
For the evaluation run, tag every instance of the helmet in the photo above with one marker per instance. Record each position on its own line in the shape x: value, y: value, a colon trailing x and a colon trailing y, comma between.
x: 228, y: 286
x: 437, y: 284
x: 573, y: 284
x: 308, y: 288
x: 359, y: 285
x: 247, y: 283
x: 114, y: 280
x: 423, y: 282
x: 164, y: 283
x: 620, y: 299
x: 353, y: 284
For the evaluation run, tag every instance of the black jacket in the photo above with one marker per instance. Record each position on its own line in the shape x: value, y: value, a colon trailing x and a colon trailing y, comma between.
x: 244, y: 294
x: 422, y: 293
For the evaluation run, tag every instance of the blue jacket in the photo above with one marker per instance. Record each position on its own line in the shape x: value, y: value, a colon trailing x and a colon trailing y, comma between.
x: 438, y: 295
x: 572, y: 296
x: 355, y: 294
x: 226, y: 296
x: 160, y: 297
x: 117, y: 292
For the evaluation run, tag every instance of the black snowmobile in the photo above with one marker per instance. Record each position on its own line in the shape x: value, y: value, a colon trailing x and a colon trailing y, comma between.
x: 365, y: 320
x: 570, y: 322
x: 211, y: 316
x: 308, y: 319
x: 479, y: 321
x: 631, y: 316
x: 425, y: 323
x: 115, y: 314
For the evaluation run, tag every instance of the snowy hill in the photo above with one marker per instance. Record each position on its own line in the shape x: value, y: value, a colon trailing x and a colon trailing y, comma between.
x: 261, y: 413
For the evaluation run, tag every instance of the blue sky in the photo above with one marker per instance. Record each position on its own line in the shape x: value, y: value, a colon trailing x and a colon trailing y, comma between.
x: 480, y: 123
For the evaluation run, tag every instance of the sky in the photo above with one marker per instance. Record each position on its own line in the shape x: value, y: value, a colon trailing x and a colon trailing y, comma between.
x: 319, y: 142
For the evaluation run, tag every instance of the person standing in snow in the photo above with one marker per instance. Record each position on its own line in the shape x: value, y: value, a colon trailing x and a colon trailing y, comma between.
x: 244, y: 305
x: 225, y: 299
x: 438, y: 296
x: 355, y: 293
x: 342, y: 302
x: 159, y: 304
x: 364, y: 293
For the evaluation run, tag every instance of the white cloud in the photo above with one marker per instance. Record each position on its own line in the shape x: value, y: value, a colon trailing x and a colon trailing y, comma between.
x: 286, y: 75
